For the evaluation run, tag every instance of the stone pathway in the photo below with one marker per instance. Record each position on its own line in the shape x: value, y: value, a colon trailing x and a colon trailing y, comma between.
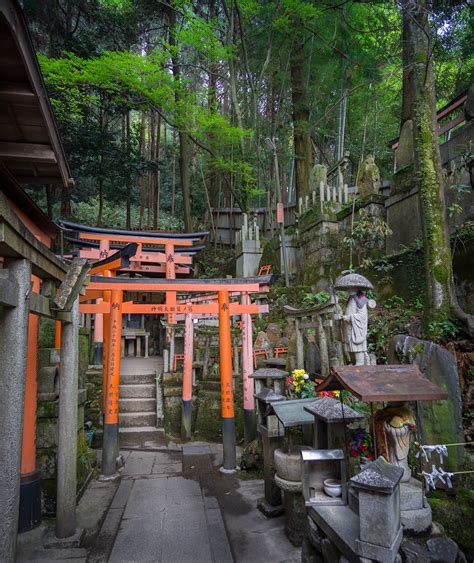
x: 173, y: 506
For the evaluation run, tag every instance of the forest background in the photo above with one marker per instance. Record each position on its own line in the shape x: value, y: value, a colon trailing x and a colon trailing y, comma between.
x: 165, y: 107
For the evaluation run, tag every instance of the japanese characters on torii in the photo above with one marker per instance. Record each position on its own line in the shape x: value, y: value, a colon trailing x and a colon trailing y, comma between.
x: 356, y: 318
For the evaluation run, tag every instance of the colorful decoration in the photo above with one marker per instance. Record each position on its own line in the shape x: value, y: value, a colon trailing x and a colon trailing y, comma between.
x: 299, y: 385
x: 362, y: 445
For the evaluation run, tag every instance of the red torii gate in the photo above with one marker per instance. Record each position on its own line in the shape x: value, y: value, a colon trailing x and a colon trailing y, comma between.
x: 115, y: 307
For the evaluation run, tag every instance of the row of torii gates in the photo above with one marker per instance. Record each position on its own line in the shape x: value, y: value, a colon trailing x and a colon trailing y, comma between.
x: 185, y: 299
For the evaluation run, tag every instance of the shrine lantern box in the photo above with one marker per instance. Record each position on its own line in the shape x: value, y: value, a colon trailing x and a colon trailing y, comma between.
x: 267, y: 421
x: 331, y: 418
x: 319, y: 465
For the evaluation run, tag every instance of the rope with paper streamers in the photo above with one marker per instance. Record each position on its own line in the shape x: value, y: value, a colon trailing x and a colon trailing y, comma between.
x: 438, y: 474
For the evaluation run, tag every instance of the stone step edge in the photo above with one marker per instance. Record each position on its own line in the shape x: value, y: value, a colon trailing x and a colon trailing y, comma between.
x: 142, y: 429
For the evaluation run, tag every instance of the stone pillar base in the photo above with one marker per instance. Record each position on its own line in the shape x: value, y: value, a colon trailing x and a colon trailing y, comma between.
x: 268, y: 510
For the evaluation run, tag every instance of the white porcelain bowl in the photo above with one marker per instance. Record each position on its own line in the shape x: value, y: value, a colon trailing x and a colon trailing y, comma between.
x: 332, y: 487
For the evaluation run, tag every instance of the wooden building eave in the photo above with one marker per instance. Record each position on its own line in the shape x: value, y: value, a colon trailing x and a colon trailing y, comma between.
x: 30, y: 145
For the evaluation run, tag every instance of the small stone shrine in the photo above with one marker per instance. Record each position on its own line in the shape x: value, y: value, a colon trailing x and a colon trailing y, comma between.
x: 330, y: 420
x: 288, y: 465
x: 270, y: 435
x: 269, y: 386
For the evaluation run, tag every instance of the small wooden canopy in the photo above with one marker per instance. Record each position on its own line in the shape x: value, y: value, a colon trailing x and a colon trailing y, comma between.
x: 30, y: 146
x: 383, y: 383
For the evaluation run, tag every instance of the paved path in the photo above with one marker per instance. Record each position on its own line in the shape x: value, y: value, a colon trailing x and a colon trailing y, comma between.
x: 158, y: 515
x: 173, y: 506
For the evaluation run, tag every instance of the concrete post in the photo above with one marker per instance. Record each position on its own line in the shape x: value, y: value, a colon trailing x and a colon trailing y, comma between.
x: 67, y: 427
x: 187, y: 377
x: 299, y: 345
x: 13, y: 350
x: 171, y: 359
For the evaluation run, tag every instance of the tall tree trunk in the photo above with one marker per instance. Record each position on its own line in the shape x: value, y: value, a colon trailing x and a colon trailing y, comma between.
x: 151, y: 175
x: 104, y: 127
x: 301, y: 126
x: 184, y: 140
x: 143, y: 175
x: 156, y: 197
x: 127, y: 178
x: 100, y: 212
x: 212, y: 106
x: 173, y: 176
x: 419, y: 93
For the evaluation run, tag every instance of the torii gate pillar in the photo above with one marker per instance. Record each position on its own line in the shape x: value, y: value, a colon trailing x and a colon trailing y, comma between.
x: 227, y: 390
x: 110, y: 449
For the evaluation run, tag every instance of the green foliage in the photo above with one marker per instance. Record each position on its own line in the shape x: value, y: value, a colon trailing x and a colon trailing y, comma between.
x: 113, y: 216
x: 315, y: 299
x: 444, y: 330
x: 368, y: 235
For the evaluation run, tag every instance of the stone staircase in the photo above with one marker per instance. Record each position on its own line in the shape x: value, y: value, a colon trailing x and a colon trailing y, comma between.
x: 137, y: 408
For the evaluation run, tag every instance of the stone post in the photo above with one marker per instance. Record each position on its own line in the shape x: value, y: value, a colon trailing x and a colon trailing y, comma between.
x: 323, y: 347
x: 299, y: 346
x: 67, y: 426
x: 13, y: 350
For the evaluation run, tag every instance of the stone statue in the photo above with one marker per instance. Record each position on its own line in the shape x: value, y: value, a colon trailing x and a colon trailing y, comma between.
x: 355, y: 319
x: 394, y: 427
x: 369, y: 178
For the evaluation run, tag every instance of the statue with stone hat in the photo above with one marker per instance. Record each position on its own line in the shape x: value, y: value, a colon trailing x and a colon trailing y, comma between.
x: 356, y: 319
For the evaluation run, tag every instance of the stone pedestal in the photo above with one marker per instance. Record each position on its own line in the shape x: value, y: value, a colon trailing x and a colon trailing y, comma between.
x: 295, y: 510
x: 248, y: 254
x: 415, y: 512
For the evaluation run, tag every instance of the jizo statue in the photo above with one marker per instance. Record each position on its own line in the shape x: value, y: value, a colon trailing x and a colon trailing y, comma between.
x: 356, y: 319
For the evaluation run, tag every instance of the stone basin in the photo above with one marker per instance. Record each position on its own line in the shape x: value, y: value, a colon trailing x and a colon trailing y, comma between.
x: 288, y: 462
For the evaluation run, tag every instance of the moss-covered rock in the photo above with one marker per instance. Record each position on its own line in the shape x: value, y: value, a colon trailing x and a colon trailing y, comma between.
x: 454, y: 514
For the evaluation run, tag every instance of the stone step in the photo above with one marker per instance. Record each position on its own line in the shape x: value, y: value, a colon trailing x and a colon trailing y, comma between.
x: 128, y: 419
x: 138, y: 390
x: 137, y: 436
x: 133, y: 378
x: 137, y: 405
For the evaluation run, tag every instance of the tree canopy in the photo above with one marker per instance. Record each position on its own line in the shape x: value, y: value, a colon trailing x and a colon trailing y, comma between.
x: 165, y: 106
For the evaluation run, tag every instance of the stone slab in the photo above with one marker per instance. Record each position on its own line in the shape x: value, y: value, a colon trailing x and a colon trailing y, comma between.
x: 180, y: 545
x: 104, y: 542
x: 139, y: 463
x: 167, y: 469
x: 416, y: 521
x: 411, y: 495
x: 121, y: 496
x: 220, y: 546
x: 378, y: 553
x: 129, y: 544
x: 196, y: 449
x: 340, y: 525
x: 146, y: 499
x: 182, y: 487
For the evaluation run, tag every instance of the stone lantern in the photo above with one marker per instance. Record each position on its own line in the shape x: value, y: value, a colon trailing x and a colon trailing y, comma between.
x: 270, y: 434
x: 380, y: 528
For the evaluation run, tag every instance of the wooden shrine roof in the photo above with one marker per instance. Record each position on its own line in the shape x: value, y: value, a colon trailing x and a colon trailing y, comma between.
x: 383, y: 383
x: 74, y: 229
x: 30, y: 146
